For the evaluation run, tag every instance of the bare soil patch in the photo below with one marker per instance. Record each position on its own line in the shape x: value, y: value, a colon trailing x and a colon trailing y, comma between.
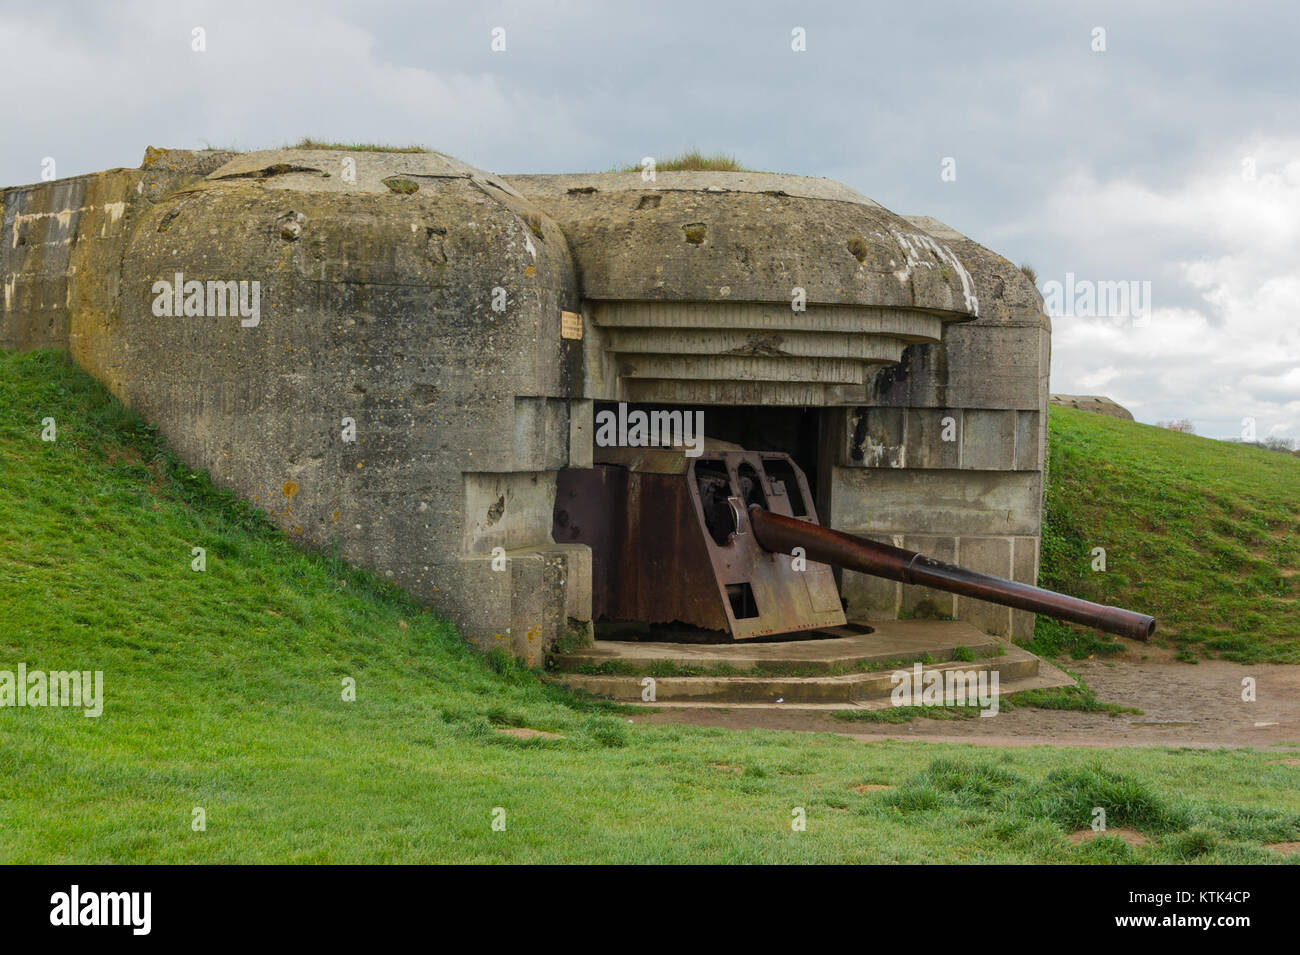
x: 523, y: 732
x: 1195, y: 705
x: 1131, y: 836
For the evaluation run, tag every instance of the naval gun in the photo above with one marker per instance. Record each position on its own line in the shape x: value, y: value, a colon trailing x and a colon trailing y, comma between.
x: 729, y: 541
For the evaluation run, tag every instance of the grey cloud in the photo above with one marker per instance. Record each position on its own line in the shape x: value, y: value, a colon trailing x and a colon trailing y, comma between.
x: 1011, y: 90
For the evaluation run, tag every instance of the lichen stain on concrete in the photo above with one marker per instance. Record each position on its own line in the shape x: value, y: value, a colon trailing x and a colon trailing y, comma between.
x: 401, y: 186
x: 696, y: 232
x: 290, y: 226
x: 63, y: 217
x: 534, y: 222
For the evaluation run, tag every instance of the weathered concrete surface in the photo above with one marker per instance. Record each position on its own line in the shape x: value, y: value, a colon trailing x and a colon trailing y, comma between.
x: 375, y: 308
x: 61, y: 248
x: 746, y: 237
x: 901, y: 641
x: 894, y: 641
x: 1015, y: 664
x: 949, y: 449
x: 692, y: 276
x: 750, y: 353
x: 1097, y: 404
x: 747, y: 288
x: 463, y: 324
x: 190, y: 161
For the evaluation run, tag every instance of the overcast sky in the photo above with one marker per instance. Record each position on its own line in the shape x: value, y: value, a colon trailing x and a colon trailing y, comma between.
x: 1170, y: 157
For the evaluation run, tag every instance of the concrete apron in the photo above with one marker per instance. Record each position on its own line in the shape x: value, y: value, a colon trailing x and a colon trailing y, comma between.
x: 848, y: 670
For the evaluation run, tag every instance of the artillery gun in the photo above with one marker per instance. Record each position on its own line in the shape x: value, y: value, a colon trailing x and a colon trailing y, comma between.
x: 730, y: 541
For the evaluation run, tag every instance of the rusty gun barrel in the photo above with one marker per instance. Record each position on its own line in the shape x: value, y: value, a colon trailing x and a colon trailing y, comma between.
x: 773, y: 532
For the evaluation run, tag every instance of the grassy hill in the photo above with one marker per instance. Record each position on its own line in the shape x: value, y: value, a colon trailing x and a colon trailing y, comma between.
x: 223, y: 693
x: 1201, y: 534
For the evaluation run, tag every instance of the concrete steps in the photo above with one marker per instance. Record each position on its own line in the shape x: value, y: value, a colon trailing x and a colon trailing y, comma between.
x: 847, y: 668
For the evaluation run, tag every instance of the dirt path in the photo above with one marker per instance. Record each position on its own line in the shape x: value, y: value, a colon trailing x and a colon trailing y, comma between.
x: 1197, y: 705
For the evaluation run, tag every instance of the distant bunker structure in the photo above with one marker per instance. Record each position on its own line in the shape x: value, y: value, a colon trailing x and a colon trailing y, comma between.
x: 430, y: 367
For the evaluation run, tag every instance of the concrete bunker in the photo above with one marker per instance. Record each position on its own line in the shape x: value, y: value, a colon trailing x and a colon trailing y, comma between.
x: 429, y: 359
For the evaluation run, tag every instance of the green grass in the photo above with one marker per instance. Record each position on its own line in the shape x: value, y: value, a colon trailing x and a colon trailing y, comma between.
x: 693, y: 161
x: 309, y: 143
x: 223, y: 691
x: 1201, y: 534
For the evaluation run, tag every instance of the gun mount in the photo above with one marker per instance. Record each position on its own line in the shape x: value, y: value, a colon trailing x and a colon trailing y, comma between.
x: 704, y: 541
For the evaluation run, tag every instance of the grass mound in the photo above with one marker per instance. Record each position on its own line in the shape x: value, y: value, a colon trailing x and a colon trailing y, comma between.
x: 1203, y: 535
x: 226, y: 691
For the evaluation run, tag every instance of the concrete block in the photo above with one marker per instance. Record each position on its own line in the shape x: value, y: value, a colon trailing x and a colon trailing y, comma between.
x: 1029, y: 441
x: 577, y: 568
x: 581, y: 433
x: 507, y: 510
x: 878, y: 500
x: 988, y: 555
x: 870, y: 598
x: 926, y: 601
x: 988, y: 440
x: 1024, y: 566
x: 541, y: 432
x: 934, y: 437
x: 874, y: 437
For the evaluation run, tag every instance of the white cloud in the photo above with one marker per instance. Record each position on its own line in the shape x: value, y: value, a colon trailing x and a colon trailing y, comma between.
x: 1122, y: 166
x: 1235, y: 352
x: 271, y: 74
